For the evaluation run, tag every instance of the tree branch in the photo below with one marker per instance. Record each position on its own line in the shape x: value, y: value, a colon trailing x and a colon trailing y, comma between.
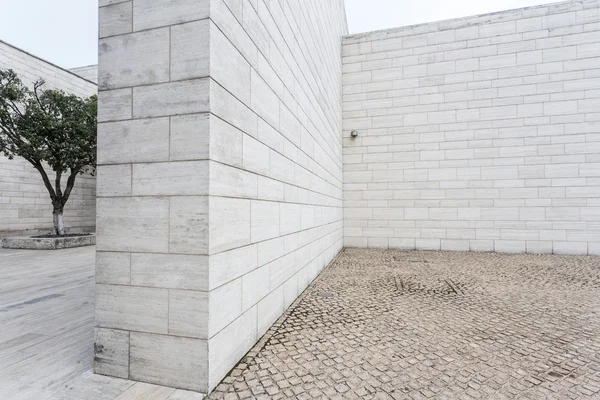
x: 36, y: 86
x: 57, y: 184
x: 70, y: 184
x: 47, y: 183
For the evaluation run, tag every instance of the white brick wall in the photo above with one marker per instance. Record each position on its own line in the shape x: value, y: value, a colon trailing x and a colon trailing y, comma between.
x: 276, y: 188
x: 481, y: 133
x: 25, y: 205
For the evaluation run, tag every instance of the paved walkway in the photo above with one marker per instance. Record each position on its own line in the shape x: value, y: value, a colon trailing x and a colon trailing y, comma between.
x: 47, y: 331
x: 434, y: 325
x: 375, y: 325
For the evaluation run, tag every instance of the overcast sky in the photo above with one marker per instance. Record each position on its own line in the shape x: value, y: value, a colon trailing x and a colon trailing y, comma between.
x: 64, y: 31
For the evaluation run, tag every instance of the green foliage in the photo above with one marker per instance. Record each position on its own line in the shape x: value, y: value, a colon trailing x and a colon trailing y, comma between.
x: 48, y: 126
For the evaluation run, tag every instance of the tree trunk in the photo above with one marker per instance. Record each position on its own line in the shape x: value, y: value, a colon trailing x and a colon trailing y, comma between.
x: 59, y: 226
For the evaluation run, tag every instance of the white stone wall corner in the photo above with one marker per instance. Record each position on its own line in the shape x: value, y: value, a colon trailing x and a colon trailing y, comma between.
x: 221, y: 189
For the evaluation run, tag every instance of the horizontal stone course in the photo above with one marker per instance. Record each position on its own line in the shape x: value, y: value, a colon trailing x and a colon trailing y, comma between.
x: 134, y: 59
x: 154, y: 358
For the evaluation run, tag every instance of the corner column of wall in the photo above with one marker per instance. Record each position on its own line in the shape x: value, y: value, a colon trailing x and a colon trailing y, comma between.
x: 152, y: 209
x: 220, y: 178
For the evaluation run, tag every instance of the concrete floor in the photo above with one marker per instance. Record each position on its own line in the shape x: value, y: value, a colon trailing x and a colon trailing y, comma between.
x: 47, y: 331
x: 375, y: 325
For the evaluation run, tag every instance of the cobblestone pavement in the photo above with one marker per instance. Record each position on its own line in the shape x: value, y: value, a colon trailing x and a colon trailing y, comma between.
x: 433, y: 325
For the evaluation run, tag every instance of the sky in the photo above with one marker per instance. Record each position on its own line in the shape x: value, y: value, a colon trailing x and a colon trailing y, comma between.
x: 64, y: 32
x: 372, y: 15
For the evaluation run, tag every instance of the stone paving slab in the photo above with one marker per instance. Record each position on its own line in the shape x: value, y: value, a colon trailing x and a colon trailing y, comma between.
x: 433, y: 325
x: 47, y: 331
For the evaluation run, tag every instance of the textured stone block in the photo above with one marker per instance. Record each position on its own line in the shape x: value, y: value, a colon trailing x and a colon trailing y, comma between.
x: 188, y: 313
x: 169, y: 360
x: 270, y: 189
x: 113, y: 268
x: 189, y: 226
x: 172, y: 271
x: 281, y: 168
x: 189, y: 139
x: 185, y: 97
x: 144, y: 140
x: 265, y: 220
x: 264, y: 100
x: 255, y: 286
x: 269, y: 310
x: 133, y: 224
x: 186, y: 178
x: 229, y: 181
x: 132, y: 308
x: 232, y: 110
x: 190, y: 51
x: 230, y: 265
x: 255, y: 28
x: 229, y: 224
x: 230, y: 344
x: 134, y: 59
x: 255, y: 156
x: 281, y: 270
x: 114, y: 104
x: 155, y: 13
x: 113, y: 180
x: 228, y: 67
x: 111, y: 353
x: 225, y: 142
x: 115, y: 19
x: 290, y: 219
x: 222, y: 16
x: 290, y: 291
x: 225, y: 305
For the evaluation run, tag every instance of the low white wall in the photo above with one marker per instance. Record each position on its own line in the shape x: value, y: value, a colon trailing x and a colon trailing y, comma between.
x: 25, y: 205
x: 479, y: 134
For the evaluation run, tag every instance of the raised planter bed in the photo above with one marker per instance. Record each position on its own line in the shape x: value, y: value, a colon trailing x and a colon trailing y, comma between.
x: 49, y: 242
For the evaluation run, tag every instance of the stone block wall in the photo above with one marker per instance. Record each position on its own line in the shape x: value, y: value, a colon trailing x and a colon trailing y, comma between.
x: 276, y: 184
x: 89, y: 72
x: 480, y: 133
x: 219, y: 179
x: 25, y: 206
x: 152, y: 206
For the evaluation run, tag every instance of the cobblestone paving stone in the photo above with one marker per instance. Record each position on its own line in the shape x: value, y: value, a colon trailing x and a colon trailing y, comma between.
x: 433, y: 325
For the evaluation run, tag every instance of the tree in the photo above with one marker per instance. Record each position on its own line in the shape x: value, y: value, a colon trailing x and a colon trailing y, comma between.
x: 48, y: 127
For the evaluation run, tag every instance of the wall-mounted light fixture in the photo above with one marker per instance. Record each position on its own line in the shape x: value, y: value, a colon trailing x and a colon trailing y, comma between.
x: 354, y: 134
